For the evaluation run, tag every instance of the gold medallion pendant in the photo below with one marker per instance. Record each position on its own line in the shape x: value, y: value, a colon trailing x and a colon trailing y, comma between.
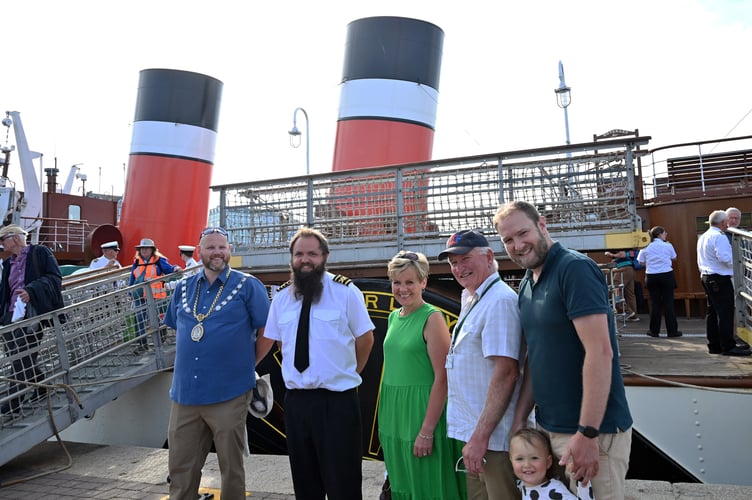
x: 197, y: 333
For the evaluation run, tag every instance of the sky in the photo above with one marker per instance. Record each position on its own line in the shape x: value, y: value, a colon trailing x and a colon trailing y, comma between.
x: 677, y: 70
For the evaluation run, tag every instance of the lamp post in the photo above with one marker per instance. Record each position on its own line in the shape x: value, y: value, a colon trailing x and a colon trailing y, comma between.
x: 295, y: 136
x: 563, y: 98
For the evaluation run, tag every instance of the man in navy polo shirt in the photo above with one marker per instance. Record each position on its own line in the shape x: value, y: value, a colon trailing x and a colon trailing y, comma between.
x: 572, y: 374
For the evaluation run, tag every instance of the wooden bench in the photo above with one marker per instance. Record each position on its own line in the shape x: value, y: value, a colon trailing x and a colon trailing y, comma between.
x: 694, y: 173
x: 688, y: 297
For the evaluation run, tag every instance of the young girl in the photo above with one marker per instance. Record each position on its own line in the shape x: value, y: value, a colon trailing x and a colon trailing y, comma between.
x: 532, y: 458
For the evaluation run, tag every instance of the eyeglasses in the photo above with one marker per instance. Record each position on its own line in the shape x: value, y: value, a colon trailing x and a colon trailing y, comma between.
x: 211, y: 230
x: 7, y: 236
x: 408, y: 255
x: 460, y: 463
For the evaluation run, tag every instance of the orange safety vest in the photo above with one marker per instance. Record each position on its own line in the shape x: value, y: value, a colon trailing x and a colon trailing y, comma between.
x: 149, y: 271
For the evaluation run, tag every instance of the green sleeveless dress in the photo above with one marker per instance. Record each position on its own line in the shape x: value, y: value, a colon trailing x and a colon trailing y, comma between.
x: 405, y: 388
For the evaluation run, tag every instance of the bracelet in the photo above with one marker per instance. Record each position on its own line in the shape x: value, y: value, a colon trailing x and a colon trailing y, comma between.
x: 423, y: 436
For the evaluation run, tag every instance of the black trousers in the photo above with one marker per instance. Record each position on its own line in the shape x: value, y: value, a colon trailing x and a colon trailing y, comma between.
x: 25, y: 369
x: 661, y: 288
x: 719, y: 322
x: 324, y: 444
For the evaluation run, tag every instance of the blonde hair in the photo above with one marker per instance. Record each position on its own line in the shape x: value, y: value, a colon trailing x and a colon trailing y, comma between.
x: 406, y: 259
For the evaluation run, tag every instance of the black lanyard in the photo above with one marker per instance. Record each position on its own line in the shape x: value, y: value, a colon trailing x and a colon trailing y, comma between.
x: 458, y: 327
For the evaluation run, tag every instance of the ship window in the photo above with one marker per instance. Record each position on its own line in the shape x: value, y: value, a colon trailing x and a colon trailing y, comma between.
x: 701, y: 224
x: 746, y: 222
x: 74, y: 212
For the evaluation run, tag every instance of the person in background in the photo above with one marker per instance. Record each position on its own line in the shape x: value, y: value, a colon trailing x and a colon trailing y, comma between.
x: 715, y: 262
x: 31, y: 279
x: 325, y: 334
x: 109, y: 256
x: 532, y: 460
x: 572, y: 375
x: 190, y: 265
x: 219, y: 316
x: 147, y: 265
x: 658, y: 259
x: 625, y: 275
x: 483, y: 371
x: 735, y: 220
x: 186, y: 254
x: 418, y: 455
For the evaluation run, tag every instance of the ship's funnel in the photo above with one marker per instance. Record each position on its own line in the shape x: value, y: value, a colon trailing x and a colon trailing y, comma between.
x: 387, y: 116
x: 390, y: 88
x: 172, y: 153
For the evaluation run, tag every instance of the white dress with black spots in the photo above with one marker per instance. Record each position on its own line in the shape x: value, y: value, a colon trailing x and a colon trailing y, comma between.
x: 553, y: 489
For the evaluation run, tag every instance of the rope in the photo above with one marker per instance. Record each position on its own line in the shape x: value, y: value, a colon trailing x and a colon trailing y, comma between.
x: 625, y: 369
x: 71, y: 390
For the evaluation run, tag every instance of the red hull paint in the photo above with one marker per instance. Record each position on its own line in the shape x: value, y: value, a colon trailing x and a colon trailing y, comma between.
x: 376, y: 143
x: 371, y: 143
x: 169, y: 205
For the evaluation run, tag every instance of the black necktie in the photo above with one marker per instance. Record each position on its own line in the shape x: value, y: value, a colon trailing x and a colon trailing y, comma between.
x: 301, y: 342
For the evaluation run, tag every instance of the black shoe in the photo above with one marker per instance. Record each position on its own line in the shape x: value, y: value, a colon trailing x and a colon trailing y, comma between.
x: 674, y: 335
x: 735, y: 351
x: 651, y: 334
x: 138, y: 351
x: 714, y: 351
x: 742, y: 344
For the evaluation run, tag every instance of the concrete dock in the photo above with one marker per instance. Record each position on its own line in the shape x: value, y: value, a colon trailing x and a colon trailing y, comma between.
x: 132, y: 472
x: 129, y: 472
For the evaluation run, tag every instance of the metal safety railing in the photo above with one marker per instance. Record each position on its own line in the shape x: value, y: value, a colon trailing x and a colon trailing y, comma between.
x: 58, y: 367
x: 584, y: 190
x: 741, y: 243
x: 698, y: 168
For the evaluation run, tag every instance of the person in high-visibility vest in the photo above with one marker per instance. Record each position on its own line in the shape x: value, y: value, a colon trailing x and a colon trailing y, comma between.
x: 148, y: 265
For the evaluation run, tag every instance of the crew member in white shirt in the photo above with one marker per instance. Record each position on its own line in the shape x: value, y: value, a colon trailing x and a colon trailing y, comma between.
x: 716, y: 269
x: 109, y: 256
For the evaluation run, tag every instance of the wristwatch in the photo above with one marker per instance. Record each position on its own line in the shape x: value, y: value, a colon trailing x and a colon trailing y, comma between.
x: 587, y: 431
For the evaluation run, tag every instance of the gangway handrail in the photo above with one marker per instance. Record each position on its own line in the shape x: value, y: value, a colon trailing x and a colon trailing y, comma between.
x: 741, y: 245
x: 89, y: 345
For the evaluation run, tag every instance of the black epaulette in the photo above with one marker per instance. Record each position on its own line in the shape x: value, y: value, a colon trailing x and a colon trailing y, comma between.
x: 284, y: 285
x: 342, y: 280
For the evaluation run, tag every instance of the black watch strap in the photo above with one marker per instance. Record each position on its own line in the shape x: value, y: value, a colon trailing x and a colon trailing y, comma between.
x: 587, y: 431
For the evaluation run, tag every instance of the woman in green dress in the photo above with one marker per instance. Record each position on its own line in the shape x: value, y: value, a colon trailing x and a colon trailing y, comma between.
x: 418, y: 455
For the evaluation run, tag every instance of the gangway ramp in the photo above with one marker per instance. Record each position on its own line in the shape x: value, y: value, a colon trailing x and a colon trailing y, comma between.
x: 87, y: 356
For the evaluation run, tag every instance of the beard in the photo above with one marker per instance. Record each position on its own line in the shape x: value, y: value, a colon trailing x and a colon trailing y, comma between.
x: 217, y: 268
x: 309, y: 284
x: 538, y: 256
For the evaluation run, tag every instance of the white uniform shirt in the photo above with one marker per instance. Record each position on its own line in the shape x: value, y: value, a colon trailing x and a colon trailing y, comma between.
x: 714, y: 254
x: 492, y: 328
x: 657, y: 257
x: 101, y: 262
x: 337, y: 320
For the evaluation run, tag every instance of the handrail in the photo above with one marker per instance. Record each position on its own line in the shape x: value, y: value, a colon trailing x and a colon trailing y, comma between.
x: 87, y: 346
x: 586, y: 186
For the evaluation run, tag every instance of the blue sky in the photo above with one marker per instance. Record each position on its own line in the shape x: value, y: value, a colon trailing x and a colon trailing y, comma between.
x: 677, y: 70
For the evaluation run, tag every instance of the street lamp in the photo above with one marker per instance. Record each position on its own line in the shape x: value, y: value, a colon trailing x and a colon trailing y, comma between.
x: 563, y: 98
x: 295, y: 136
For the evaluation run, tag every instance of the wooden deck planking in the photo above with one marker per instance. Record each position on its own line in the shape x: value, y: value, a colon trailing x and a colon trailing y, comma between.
x: 685, y: 359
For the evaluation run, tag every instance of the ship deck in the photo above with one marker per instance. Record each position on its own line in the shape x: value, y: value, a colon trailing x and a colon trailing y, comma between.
x: 652, y: 361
